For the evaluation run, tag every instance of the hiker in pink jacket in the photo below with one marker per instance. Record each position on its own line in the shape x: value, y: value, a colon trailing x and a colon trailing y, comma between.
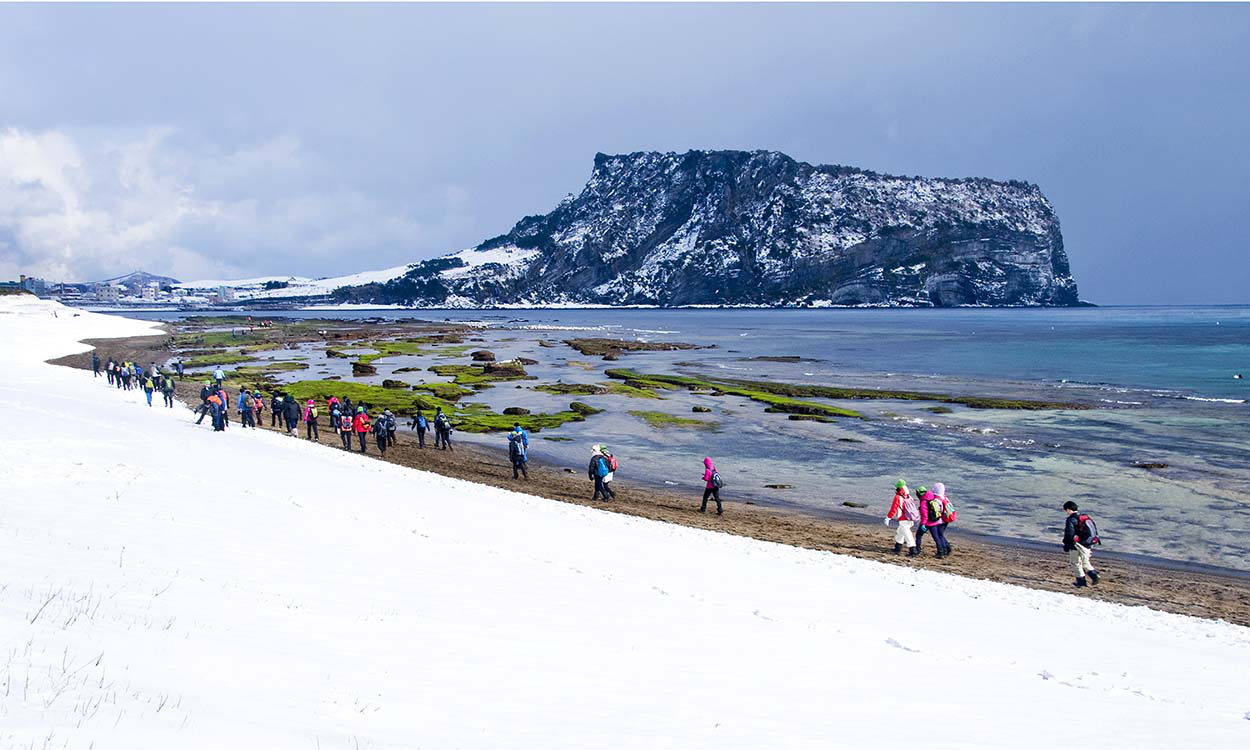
x: 931, y: 517
x: 904, y: 510
x: 310, y: 419
x: 711, y: 486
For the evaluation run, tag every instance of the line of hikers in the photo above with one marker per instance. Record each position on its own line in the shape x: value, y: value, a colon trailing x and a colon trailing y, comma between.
x: 129, y: 375
x: 930, y: 511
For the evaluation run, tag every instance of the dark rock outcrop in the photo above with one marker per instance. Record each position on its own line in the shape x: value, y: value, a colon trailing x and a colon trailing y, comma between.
x: 758, y: 228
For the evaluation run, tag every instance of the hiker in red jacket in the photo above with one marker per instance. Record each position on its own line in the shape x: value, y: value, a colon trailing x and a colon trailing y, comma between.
x: 362, y: 427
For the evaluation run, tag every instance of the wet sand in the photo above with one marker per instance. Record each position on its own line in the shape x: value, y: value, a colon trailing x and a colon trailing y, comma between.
x: 1160, y: 586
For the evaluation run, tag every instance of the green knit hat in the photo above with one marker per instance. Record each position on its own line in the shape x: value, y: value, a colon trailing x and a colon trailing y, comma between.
x: 900, y: 484
x: 922, y: 489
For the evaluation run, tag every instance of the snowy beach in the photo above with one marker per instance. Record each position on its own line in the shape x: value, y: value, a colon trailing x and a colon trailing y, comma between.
x: 165, y: 586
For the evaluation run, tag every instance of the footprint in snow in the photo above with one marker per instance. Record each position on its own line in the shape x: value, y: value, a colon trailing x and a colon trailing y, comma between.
x: 1045, y: 675
x: 896, y: 644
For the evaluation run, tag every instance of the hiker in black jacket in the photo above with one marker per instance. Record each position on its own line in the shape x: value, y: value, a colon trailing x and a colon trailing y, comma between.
x: 1077, y: 544
x: 205, y: 392
x: 290, y: 412
x: 95, y: 365
x: 275, y: 410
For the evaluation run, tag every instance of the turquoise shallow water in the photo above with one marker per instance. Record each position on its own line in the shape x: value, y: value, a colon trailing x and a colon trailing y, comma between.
x: 1162, y: 379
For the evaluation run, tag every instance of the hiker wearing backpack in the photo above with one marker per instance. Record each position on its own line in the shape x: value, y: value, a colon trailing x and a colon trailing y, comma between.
x: 214, y: 406
x: 362, y: 427
x: 224, y: 400
x: 219, y: 375
x: 949, y: 515
x: 379, y: 434
x: 596, y: 471
x: 388, y: 420
x: 275, y: 409
x: 931, y: 520
x: 178, y: 365
x: 167, y: 390
x: 95, y: 365
x: 711, y: 486
x: 518, y: 452
x: 1080, y: 535
x: 245, y: 405
x: 420, y: 425
x: 108, y: 370
x: 345, y: 429
x: 611, y: 459
x: 310, y: 420
x: 442, y: 430
x: 291, y: 413
x: 904, y: 510
x: 148, y: 387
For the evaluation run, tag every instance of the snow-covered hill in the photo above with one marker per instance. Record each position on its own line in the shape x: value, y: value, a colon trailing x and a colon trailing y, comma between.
x: 162, y: 586
x: 758, y: 228
x: 277, y: 287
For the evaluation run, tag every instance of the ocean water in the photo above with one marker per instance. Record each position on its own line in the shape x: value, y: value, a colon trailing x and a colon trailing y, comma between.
x: 1161, y: 380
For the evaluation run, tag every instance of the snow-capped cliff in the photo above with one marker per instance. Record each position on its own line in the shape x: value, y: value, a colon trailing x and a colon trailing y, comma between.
x: 737, y: 227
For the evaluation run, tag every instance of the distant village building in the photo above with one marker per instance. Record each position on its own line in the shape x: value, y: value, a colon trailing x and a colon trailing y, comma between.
x: 34, y: 285
x: 107, y: 293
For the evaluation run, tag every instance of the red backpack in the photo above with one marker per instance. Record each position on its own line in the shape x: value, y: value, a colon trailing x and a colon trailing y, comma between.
x: 1087, y: 530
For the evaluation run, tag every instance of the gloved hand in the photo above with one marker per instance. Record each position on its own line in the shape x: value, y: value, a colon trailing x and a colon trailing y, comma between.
x: 887, y: 521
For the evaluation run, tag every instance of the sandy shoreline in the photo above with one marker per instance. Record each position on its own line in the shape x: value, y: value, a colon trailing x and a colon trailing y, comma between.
x: 1164, y: 586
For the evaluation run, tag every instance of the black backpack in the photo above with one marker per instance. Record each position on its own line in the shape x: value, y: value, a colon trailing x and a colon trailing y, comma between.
x: 1087, y: 531
x: 717, y: 482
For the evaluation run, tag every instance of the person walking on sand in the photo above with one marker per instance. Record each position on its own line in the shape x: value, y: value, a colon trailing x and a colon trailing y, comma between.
x: 246, y: 408
x: 948, y: 515
x: 712, y: 484
x: 420, y: 425
x: 1080, y: 535
x: 596, y: 471
x: 95, y: 365
x: 518, y: 452
x: 362, y: 426
x: 291, y: 413
x: 442, y: 430
x: 904, y: 510
x: 380, y: 434
x: 310, y: 421
x: 388, y: 421
x: 346, y: 429
x: 931, y: 519
x: 275, y: 409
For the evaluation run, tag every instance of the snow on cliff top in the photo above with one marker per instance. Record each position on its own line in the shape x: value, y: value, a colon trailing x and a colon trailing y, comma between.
x: 299, y: 285
x: 164, y: 586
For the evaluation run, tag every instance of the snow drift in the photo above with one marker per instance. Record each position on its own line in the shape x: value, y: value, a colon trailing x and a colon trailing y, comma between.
x: 163, y: 586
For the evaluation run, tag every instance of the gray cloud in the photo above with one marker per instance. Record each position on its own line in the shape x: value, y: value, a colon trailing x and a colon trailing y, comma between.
x: 218, y: 140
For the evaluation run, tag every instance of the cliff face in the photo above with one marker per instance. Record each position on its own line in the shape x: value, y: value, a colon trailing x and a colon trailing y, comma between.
x: 736, y: 227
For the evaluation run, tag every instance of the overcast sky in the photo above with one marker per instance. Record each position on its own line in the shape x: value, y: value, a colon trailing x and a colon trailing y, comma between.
x: 230, y: 141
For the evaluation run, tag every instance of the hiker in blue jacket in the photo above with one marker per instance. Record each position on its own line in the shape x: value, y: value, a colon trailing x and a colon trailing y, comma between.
x: 246, y: 404
x: 518, y: 451
x: 598, y: 470
x: 420, y: 425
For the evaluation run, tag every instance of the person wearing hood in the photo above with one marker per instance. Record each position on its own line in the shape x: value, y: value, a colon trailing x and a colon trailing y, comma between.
x: 597, y: 470
x: 225, y: 407
x: 931, y: 520
x: 442, y: 429
x: 948, y: 515
x: 380, y: 434
x: 518, y: 452
x: 711, y: 486
x: 388, y: 421
x: 246, y: 408
x: 904, y: 510
x: 291, y: 413
x: 95, y: 365
x: 275, y: 409
x: 310, y: 421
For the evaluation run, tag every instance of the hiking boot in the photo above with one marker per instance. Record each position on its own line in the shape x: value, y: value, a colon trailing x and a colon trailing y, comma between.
x: 913, y: 552
x: 1080, y: 582
x: 897, y: 548
x: 1093, y: 577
